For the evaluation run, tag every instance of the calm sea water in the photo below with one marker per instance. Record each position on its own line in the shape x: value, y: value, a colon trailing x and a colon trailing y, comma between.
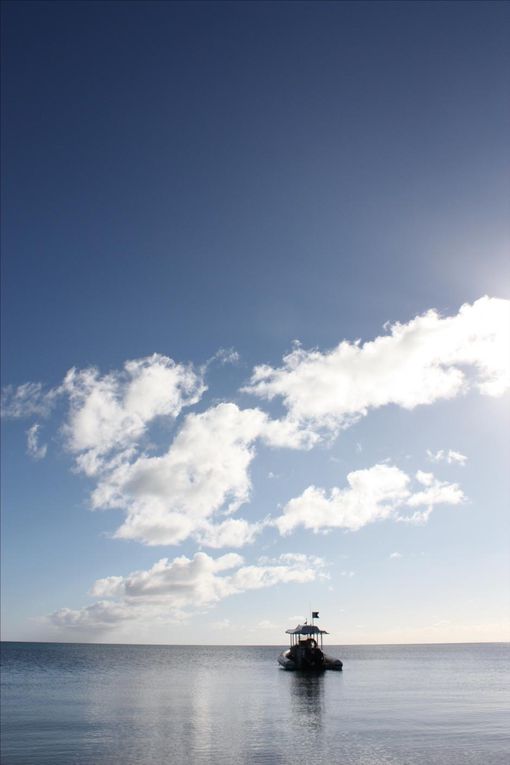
x: 65, y: 704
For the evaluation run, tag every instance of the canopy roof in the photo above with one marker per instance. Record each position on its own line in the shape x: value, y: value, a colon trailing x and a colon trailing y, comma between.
x: 306, y: 629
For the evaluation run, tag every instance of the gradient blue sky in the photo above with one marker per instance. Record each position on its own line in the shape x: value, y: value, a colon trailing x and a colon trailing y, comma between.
x: 184, y: 177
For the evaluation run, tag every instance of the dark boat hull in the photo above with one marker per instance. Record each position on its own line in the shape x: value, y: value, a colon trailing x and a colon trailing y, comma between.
x: 291, y: 662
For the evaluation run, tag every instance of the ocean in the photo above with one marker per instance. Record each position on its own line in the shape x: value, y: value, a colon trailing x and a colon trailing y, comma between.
x: 77, y: 704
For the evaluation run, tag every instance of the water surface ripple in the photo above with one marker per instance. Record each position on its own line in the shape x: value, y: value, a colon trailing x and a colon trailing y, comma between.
x: 75, y: 704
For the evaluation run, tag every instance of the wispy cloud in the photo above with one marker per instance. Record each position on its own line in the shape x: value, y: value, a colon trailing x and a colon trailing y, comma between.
x: 449, y: 456
x: 28, y: 400
x: 34, y: 449
x: 225, y: 356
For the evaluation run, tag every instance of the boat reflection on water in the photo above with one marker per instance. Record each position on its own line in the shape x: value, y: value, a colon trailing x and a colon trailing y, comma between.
x: 310, y: 726
x: 307, y: 699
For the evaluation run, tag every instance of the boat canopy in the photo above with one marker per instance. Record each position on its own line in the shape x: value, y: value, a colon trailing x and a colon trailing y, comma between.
x: 306, y: 629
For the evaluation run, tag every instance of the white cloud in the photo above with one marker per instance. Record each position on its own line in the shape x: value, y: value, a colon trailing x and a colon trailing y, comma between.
x: 180, y: 586
x: 34, y: 449
x: 377, y: 493
x: 180, y: 582
x: 101, y: 615
x: 435, y: 493
x: 205, y: 471
x: 372, y: 494
x: 168, y: 497
x: 204, y: 475
x: 233, y: 532
x: 172, y: 496
x: 454, y: 457
x: 451, y: 457
x: 420, y: 362
x: 395, y: 555
x: 111, y: 412
x: 295, y: 559
x: 426, y: 479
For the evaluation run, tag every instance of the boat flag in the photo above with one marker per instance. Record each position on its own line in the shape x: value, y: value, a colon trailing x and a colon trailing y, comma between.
x: 315, y: 614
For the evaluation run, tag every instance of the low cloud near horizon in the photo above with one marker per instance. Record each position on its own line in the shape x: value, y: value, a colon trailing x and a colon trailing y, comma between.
x: 174, y: 589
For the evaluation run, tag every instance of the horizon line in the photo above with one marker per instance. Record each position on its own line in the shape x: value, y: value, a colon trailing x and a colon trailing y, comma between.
x: 254, y: 645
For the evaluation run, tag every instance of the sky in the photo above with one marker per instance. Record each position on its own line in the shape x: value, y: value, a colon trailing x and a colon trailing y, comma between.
x: 255, y: 321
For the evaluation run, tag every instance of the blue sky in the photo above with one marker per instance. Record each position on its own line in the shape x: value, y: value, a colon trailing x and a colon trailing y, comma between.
x: 193, y: 188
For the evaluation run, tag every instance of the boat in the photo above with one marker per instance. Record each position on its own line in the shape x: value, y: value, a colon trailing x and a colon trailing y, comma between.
x: 306, y: 649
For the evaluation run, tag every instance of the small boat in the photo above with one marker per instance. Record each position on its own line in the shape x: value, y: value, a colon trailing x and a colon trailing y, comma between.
x: 305, y: 652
